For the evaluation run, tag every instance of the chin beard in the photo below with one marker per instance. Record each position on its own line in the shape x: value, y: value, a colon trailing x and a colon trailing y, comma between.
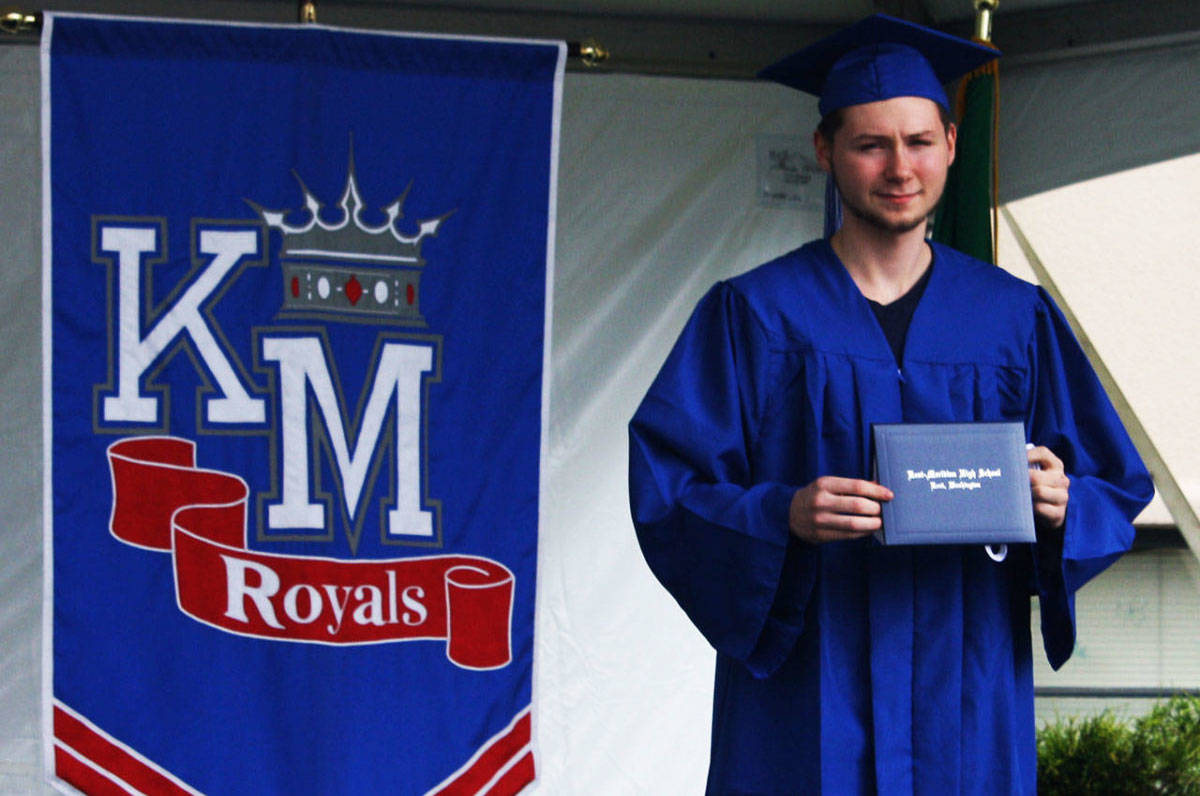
x: 881, y: 223
x: 877, y: 220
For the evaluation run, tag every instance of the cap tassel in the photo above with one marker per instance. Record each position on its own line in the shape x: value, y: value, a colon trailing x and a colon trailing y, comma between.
x: 833, y: 207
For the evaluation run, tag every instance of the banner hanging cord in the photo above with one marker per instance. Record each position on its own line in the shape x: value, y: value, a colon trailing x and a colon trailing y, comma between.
x: 588, y: 52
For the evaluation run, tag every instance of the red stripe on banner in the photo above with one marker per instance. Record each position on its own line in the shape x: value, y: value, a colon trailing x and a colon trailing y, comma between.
x: 73, y: 771
x: 99, y: 750
x: 490, y: 760
x: 515, y: 779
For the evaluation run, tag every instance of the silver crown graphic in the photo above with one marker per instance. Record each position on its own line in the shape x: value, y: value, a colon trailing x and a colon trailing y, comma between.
x: 349, y: 267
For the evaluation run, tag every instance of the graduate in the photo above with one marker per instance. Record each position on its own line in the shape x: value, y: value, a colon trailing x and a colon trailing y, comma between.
x: 845, y: 666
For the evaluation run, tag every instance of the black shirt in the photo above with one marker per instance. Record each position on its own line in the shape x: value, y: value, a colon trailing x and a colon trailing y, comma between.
x: 895, y: 317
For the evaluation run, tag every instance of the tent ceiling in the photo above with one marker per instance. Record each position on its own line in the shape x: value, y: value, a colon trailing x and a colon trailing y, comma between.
x: 712, y: 38
x: 1090, y: 87
x: 786, y: 11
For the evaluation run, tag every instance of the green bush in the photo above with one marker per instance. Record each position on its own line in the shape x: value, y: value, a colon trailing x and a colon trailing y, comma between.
x: 1102, y: 755
x: 1090, y: 757
x: 1168, y: 738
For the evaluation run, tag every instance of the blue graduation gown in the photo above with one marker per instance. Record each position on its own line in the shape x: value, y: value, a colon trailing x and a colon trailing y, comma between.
x: 851, y: 667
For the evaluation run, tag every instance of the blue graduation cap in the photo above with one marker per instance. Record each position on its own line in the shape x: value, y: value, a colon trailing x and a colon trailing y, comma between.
x: 878, y: 58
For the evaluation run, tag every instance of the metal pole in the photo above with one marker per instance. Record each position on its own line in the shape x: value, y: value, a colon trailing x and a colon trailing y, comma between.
x: 983, y: 19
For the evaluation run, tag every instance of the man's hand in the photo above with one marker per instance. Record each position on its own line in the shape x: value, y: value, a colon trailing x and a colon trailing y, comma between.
x: 1050, y: 487
x: 831, y: 509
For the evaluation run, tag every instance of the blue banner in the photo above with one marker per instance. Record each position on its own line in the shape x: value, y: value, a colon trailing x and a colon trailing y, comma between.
x: 296, y: 316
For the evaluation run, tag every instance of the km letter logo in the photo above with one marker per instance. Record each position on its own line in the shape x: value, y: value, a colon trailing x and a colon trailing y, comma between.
x: 298, y: 404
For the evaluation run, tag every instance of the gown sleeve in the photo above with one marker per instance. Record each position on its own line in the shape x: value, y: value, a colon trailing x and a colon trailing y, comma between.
x: 713, y: 534
x: 1072, y: 415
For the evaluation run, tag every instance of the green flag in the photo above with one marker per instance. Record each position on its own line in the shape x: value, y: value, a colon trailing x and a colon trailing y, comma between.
x: 966, y: 217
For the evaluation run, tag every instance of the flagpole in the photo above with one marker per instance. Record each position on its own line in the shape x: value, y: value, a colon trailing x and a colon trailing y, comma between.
x: 966, y: 219
x: 984, y: 9
x: 983, y: 19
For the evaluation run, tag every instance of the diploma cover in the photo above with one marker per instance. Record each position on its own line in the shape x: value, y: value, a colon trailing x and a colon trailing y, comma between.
x: 954, y: 483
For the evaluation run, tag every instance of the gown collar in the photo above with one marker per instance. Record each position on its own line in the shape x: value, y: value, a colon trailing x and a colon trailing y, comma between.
x: 858, y: 308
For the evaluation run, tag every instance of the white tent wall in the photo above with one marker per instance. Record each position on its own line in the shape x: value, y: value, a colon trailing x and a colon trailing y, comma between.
x: 1131, y: 283
x: 1064, y: 120
x: 657, y: 200
x: 20, y: 422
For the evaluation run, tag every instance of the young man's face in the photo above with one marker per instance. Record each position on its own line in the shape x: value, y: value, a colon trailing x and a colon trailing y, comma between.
x: 889, y: 160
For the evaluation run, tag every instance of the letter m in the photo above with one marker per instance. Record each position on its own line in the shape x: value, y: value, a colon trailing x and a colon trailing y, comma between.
x: 401, y: 371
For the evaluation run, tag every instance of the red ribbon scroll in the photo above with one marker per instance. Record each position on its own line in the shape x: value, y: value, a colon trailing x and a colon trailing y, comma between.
x: 162, y: 501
